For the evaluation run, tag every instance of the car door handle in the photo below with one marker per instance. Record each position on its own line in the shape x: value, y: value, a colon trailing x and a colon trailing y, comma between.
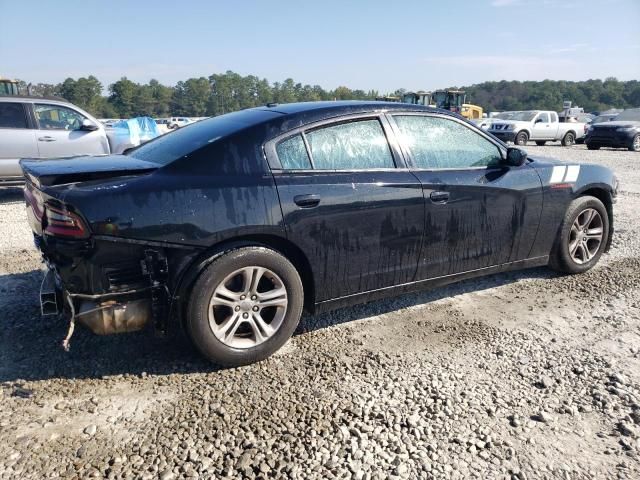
x: 46, y: 139
x: 439, y: 197
x: 307, y: 201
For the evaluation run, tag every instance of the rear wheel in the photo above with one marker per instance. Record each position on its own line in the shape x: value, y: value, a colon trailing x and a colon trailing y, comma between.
x: 569, y: 139
x: 635, y: 144
x: 582, y: 238
x: 521, y: 139
x: 541, y: 143
x: 244, y: 306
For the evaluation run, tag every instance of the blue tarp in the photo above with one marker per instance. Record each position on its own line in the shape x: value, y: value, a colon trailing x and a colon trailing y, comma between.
x: 136, y: 130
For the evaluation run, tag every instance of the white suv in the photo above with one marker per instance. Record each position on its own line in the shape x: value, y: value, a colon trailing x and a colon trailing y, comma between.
x: 40, y: 127
x: 177, y: 122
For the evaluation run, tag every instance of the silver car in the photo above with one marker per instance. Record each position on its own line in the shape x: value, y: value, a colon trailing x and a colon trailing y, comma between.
x: 38, y: 127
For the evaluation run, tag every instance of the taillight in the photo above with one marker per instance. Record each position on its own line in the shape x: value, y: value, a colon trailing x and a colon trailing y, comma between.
x: 60, y: 222
x: 34, y: 199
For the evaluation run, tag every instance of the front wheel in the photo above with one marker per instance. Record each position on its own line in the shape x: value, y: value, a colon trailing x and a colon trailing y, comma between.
x: 569, y: 139
x: 635, y: 144
x: 521, y: 139
x: 582, y: 237
x: 244, y: 306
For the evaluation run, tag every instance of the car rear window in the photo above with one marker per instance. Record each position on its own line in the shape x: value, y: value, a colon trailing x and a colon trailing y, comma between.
x: 180, y: 143
x: 12, y: 115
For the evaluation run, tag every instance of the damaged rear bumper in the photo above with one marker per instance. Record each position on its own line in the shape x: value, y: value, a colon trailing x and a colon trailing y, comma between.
x: 131, y: 297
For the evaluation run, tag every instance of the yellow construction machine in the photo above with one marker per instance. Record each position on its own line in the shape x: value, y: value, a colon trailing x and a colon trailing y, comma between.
x: 8, y: 87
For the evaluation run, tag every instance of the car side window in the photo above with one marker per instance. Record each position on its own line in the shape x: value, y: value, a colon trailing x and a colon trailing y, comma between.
x: 56, y: 117
x: 12, y: 115
x: 554, y: 117
x: 441, y: 143
x: 354, y: 145
x: 543, y: 117
x: 293, y: 153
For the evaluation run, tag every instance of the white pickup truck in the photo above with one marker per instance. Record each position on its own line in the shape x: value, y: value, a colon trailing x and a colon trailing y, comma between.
x: 540, y: 126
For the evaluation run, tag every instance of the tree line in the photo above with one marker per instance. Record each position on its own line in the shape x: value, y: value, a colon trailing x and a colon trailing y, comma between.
x: 228, y: 92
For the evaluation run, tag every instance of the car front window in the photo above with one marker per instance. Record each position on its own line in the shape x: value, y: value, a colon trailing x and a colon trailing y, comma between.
x: 56, y: 117
x: 441, y: 143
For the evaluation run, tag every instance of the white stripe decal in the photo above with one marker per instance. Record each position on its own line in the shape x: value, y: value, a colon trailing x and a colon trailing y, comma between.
x: 572, y: 173
x: 558, y: 174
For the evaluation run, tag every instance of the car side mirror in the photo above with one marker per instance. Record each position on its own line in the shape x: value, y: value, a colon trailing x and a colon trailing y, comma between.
x: 515, y: 157
x: 87, y: 126
x: 538, y: 120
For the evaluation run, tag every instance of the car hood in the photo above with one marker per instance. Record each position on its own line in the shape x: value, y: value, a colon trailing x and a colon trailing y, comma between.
x: 82, y: 168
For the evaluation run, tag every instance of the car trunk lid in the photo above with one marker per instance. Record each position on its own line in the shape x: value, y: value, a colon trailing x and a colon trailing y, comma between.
x: 82, y: 169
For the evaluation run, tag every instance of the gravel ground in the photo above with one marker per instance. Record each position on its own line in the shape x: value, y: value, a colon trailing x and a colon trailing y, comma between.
x: 527, y: 375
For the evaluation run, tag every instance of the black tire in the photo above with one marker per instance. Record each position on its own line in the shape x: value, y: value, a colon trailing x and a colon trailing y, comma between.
x: 560, y: 258
x: 197, y: 320
x: 593, y: 147
x: 541, y: 143
x: 521, y: 139
x: 569, y: 139
x: 635, y: 144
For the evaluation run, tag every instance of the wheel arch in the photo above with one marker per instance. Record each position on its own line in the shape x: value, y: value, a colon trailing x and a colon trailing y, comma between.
x: 285, y: 247
x: 604, y: 195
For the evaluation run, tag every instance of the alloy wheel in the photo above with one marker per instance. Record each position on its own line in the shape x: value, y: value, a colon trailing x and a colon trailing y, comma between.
x: 636, y: 143
x: 248, y: 307
x: 586, y: 236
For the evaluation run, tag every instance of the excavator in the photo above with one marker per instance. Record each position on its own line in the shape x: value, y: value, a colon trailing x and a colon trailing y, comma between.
x: 449, y: 99
x: 8, y: 87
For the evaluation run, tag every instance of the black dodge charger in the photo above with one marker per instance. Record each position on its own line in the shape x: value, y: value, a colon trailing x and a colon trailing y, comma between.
x: 231, y: 226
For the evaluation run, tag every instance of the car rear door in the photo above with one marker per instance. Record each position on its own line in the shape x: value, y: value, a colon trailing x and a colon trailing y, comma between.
x: 479, y: 212
x: 350, y: 204
x: 17, y: 138
x: 59, y: 133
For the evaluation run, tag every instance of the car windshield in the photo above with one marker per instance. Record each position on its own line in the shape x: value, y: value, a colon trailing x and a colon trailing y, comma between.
x: 603, y: 118
x: 522, y: 116
x: 632, y: 114
x: 172, y: 146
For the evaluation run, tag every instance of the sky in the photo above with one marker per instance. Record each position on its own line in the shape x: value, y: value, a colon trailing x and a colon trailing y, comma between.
x: 368, y: 44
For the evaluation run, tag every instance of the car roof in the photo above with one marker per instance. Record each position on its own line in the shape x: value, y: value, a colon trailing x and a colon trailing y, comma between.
x: 342, y: 106
x: 33, y: 99
x: 294, y: 115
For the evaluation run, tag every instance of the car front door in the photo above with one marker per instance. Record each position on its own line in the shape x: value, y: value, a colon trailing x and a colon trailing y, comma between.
x: 350, y: 204
x: 60, y: 134
x: 17, y: 138
x: 479, y: 212
x: 542, y: 127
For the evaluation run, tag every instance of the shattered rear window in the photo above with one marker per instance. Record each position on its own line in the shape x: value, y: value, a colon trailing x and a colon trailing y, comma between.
x: 172, y: 146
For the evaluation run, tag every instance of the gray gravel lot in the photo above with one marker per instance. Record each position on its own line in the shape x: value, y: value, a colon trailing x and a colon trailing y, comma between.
x: 527, y: 375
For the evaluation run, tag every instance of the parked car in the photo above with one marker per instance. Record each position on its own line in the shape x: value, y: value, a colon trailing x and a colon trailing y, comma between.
x: 231, y: 226
x: 538, y: 125
x: 177, y: 122
x: 621, y: 132
x: 486, y: 122
x: 602, y: 118
x: 39, y: 127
